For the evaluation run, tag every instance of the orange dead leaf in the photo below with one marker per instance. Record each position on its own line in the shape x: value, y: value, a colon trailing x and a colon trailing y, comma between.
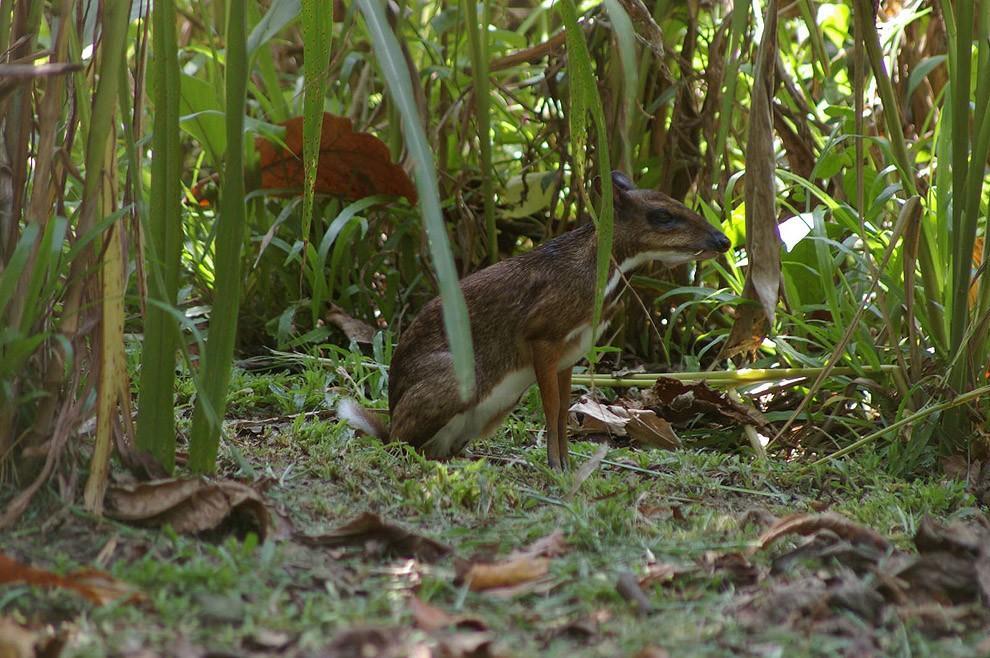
x: 352, y: 164
x: 509, y: 573
x: 98, y: 587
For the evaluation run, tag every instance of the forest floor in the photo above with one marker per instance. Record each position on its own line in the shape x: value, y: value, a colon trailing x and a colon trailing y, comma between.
x: 644, y: 553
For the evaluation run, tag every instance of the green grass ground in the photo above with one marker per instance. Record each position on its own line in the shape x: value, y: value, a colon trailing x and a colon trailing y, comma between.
x: 640, y: 507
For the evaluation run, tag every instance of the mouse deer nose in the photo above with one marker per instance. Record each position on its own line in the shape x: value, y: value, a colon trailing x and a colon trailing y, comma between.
x: 720, y: 242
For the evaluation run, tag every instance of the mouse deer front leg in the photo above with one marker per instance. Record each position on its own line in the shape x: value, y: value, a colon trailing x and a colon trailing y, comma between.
x: 546, y: 356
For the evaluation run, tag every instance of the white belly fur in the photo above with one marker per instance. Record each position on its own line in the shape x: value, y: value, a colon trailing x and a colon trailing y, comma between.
x: 468, y: 425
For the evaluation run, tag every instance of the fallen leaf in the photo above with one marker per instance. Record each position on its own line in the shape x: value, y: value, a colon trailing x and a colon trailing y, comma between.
x: 97, y: 587
x: 190, y: 505
x: 371, y: 532
x: 466, y: 644
x: 15, y: 640
x: 628, y: 588
x: 679, y: 401
x: 659, y: 573
x: 759, y: 516
x: 641, y: 425
x: 367, y: 642
x: 737, y: 569
x: 587, y: 468
x: 652, y: 652
x: 353, y: 165
x: 807, y: 524
x: 262, y: 639
x: 552, y: 545
x: 509, y: 573
x: 428, y: 617
x: 952, y: 566
x: 651, y: 430
x: 355, y: 330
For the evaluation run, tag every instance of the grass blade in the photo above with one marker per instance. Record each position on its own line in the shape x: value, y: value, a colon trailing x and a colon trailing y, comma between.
x: 455, y: 315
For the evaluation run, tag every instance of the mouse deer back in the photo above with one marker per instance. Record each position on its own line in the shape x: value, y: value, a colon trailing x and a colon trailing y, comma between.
x: 530, y: 320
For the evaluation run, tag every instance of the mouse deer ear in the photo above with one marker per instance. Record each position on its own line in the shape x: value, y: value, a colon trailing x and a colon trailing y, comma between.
x: 622, y: 182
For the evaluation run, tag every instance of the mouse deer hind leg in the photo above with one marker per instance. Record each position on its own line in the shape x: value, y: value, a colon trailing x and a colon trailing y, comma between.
x: 546, y: 355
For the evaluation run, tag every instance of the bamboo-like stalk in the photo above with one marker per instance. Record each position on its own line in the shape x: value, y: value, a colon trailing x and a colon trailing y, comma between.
x: 212, y: 388
x: 112, y: 360
x: 743, y: 377
x: 477, y: 32
x: 163, y: 247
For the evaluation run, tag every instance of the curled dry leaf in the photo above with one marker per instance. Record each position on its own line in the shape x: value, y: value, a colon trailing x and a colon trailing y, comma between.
x: 641, y: 425
x: 351, y: 164
x: 659, y: 573
x: 652, y: 652
x: 466, y: 644
x: 807, y: 524
x: 97, y: 587
x: 362, y: 642
x: 552, y: 545
x: 508, y: 573
x: 429, y: 617
x: 628, y: 588
x: 371, y: 532
x: 762, y: 234
x: 952, y: 567
x: 190, y: 505
x: 681, y: 401
x: 16, y: 641
x: 355, y: 330
x: 586, y: 469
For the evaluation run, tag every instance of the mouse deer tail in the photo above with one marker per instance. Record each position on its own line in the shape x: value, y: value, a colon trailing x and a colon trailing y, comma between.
x: 362, y: 419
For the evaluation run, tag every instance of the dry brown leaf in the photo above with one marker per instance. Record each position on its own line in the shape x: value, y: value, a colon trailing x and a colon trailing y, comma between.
x: 190, y: 505
x: 351, y: 164
x: 509, y: 573
x: 371, y: 532
x: 762, y: 234
x: 587, y: 468
x: 659, y: 573
x: 263, y: 639
x: 737, y: 569
x: 466, y: 644
x: 16, y: 641
x: 98, y: 587
x: 628, y: 588
x: 652, y: 652
x: 651, y: 430
x: 679, y: 401
x: 807, y: 524
x: 355, y: 330
x: 365, y: 642
x: 429, y: 617
x: 552, y: 545
x: 641, y: 425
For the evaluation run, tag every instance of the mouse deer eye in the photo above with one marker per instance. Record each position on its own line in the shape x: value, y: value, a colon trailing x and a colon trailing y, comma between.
x: 661, y: 218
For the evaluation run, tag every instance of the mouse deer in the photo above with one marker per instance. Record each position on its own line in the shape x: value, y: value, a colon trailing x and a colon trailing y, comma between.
x: 530, y: 319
